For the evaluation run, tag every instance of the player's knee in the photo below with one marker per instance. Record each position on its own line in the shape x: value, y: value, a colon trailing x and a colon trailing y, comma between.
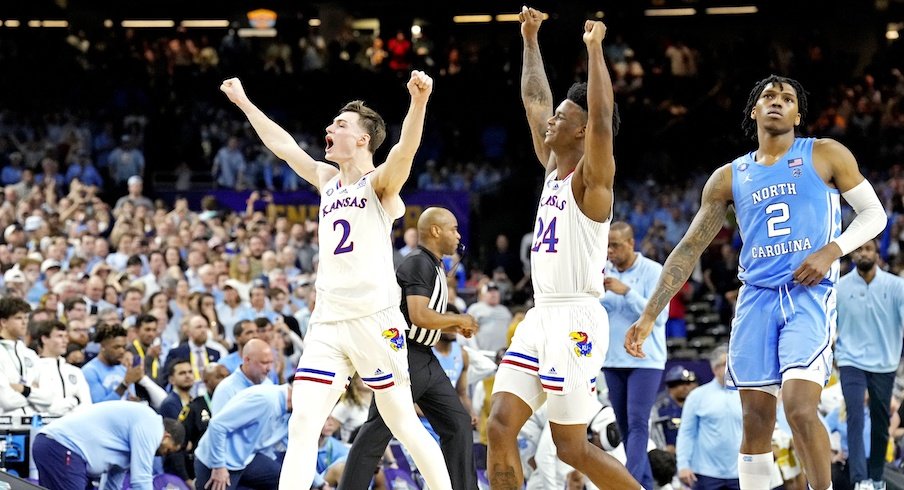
x: 301, y: 423
x: 757, y: 423
x: 498, y: 430
x: 571, y: 452
x: 500, y: 426
x: 800, y: 416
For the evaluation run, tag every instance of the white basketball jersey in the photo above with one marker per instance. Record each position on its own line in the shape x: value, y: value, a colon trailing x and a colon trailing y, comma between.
x: 356, y: 277
x: 569, y: 251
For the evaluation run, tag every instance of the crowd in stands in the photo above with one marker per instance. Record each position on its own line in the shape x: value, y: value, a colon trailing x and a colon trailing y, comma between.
x: 129, y: 297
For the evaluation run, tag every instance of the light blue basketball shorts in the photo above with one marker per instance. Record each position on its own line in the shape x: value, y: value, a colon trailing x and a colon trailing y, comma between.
x: 780, y: 334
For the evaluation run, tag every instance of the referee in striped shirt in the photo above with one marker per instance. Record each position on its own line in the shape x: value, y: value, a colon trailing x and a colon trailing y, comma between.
x: 424, y: 297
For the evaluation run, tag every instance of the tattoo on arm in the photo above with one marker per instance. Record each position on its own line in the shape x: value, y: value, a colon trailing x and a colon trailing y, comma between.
x: 503, y: 478
x: 534, y: 85
x: 684, y: 257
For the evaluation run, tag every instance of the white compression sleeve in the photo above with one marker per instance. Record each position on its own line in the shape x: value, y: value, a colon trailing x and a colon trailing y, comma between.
x: 754, y: 471
x: 870, y: 219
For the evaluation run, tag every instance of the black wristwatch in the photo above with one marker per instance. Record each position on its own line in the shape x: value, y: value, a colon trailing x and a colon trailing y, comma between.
x: 26, y: 390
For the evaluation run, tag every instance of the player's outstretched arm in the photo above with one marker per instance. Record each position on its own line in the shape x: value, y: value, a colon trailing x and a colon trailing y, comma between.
x: 535, y: 92
x: 598, y: 168
x: 391, y: 176
x: 683, y: 259
x: 277, y: 139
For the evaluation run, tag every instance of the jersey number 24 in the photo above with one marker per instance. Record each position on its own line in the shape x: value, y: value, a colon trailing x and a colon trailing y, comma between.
x: 546, y: 236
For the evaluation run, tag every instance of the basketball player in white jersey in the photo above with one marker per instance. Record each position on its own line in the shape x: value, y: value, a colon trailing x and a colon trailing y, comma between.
x: 357, y: 325
x: 559, y: 348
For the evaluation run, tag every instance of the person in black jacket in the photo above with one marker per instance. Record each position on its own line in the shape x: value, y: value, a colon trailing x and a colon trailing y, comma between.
x: 424, y: 298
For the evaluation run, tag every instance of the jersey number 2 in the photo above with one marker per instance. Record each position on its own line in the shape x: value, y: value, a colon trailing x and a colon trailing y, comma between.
x: 546, y: 236
x: 346, y: 230
x: 778, y: 214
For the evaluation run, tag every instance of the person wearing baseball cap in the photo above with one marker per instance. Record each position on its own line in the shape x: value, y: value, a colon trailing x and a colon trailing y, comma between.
x: 135, y: 196
x: 679, y: 382
x: 14, y: 235
x: 48, y: 264
x: 15, y: 282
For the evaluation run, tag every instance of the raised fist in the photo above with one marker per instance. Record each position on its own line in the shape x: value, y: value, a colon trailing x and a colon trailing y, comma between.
x: 420, y: 85
x: 530, y: 21
x: 594, y: 31
x: 234, y: 90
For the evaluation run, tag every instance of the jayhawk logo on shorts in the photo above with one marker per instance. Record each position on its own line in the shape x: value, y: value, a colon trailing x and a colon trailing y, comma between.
x: 583, y: 347
x: 396, y: 340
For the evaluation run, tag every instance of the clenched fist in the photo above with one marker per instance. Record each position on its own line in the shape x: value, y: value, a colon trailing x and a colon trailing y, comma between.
x: 420, y: 86
x: 530, y: 22
x: 234, y: 90
x: 594, y: 31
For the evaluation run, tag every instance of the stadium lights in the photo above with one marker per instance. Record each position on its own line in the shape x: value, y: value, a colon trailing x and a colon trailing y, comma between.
x: 251, y: 32
x: 314, y: 22
x: 205, y: 23
x: 141, y: 24
x: 55, y: 23
x: 892, y: 31
x: 34, y: 23
x: 472, y: 19
x: 743, y: 9
x: 679, y: 12
x: 12, y: 23
x: 368, y: 24
x: 891, y: 35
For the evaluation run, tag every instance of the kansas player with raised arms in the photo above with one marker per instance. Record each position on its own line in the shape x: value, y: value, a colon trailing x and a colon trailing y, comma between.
x: 786, y: 198
x: 357, y: 325
x: 559, y: 348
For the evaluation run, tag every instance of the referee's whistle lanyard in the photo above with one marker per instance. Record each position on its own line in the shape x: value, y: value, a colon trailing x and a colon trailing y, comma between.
x: 154, y: 365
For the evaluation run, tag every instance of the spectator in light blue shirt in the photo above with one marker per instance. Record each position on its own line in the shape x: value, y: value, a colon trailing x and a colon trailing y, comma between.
x: 107, y: 377
x: 867, y: 350
x: 242, y: 332
x: 12, y: 173
x: 106, y: 439
x: 633, y: 383
x: 709, y: 436
x: 231, y: 310
x: 257, y: 361
x: 238, y: 447
x: 229, y: 165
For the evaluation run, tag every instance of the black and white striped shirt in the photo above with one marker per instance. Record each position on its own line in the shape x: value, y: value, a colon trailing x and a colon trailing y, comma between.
x: 422, y: 274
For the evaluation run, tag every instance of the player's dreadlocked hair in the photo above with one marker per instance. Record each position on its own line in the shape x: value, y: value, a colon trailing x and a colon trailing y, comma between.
x: 748, y: 124
x: 578, y: 94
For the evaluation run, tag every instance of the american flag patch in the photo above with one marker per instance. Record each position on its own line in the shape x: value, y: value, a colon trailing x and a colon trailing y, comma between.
x: 797, y: 162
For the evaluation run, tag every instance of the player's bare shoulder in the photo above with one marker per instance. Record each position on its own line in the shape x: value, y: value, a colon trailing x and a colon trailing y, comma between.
x: 832, y: 160
x: 325, y: 172
x: 718, y: 188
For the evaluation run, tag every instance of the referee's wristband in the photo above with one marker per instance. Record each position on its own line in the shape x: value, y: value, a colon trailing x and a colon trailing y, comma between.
x: 26, y: 391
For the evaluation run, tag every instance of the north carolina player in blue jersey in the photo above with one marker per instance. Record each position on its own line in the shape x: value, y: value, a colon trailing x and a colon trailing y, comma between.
x: 786, y: 198
x: 559, y: 348
x: 357, y: 325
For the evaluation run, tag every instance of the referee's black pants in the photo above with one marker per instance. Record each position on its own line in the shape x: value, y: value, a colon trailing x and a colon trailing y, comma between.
x: 438, y: 400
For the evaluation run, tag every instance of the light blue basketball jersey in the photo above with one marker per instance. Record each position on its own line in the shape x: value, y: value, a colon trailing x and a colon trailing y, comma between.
x: 453, y: 363
x: 785, y: 212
